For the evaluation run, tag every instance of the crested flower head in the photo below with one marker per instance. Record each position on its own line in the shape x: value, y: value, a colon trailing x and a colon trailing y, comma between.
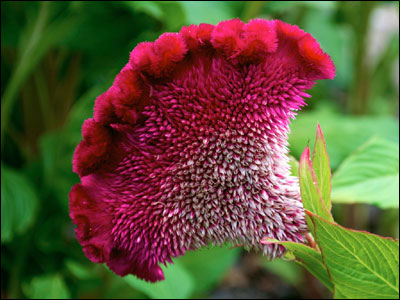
x: 188, y: 146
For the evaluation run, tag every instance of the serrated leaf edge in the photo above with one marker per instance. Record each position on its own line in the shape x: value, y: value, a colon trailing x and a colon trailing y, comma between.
x: 306, y: 158
x: 312, y: 215
x: 320, y: 136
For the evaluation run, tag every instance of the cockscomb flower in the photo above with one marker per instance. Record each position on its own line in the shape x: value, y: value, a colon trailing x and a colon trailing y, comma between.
x: 188, y: 146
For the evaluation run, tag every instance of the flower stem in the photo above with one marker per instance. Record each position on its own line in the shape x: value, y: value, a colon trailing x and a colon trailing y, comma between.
x: 359, y: 95
x: 310, y: 241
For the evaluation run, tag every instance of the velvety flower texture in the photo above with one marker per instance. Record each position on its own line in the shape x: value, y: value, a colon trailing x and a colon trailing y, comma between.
x: 188, y: 146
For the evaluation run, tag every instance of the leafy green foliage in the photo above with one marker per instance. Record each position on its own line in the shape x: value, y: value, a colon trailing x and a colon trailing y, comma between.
x: 369, y: 175
x: 286, y: 269
x: 309, y: 189
x: 344, y: 133
x: 209, y: 264
x: 178, y: 284
x: 361, y: 265
x: 320, y: 165
x: 35, y: 42
x: 207, y: 11
x: 356, y: 264
x: 57, y: 152
x: 149, y: 7
x: 47, y: 287
x: 78, y: 270
x: 197, y: 270
x: 18, y: 203
x: 311, y: 259
x: 335, y: 39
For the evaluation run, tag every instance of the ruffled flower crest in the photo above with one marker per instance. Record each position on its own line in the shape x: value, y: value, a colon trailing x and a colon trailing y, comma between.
x: 188, y: 146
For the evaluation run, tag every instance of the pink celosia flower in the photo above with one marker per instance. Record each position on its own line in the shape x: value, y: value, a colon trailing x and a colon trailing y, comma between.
x: 188, y: 146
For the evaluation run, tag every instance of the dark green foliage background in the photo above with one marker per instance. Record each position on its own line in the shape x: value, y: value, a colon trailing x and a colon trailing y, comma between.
x: 57, y: 57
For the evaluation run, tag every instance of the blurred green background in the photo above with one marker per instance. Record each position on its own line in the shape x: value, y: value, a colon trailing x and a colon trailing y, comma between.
x: 56, y: 57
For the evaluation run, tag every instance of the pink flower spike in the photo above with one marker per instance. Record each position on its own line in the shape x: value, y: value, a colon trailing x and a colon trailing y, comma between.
x: 188, y: 147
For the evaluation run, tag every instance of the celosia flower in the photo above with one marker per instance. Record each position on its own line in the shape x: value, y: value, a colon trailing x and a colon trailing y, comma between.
x: 188, y: 147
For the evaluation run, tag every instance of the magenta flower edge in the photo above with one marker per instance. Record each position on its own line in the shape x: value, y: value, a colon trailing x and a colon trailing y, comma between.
x: 188, y: 147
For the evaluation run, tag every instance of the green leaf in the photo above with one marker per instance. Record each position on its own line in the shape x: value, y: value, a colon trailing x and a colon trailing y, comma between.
x: 210, y: 12
x: 174, y: 14
x: 35, y: 41
x: 334, y: 38
x: 207, y: 265
x: 18, y: 203
x: 148, y: 7
x: 310, y: 259
x: 289, y: 271
x: 57, y: 147
x: 280, y: 7
x: 307, y: 257
x: 369, y: 175
x: 178, y: 284
x: 56, y: 154
x: 344, y: 133
x: 361, y: 265
x: 47, y: 287
x: 320, y: 164
x: 310, y: 193
x: 78, y: 270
